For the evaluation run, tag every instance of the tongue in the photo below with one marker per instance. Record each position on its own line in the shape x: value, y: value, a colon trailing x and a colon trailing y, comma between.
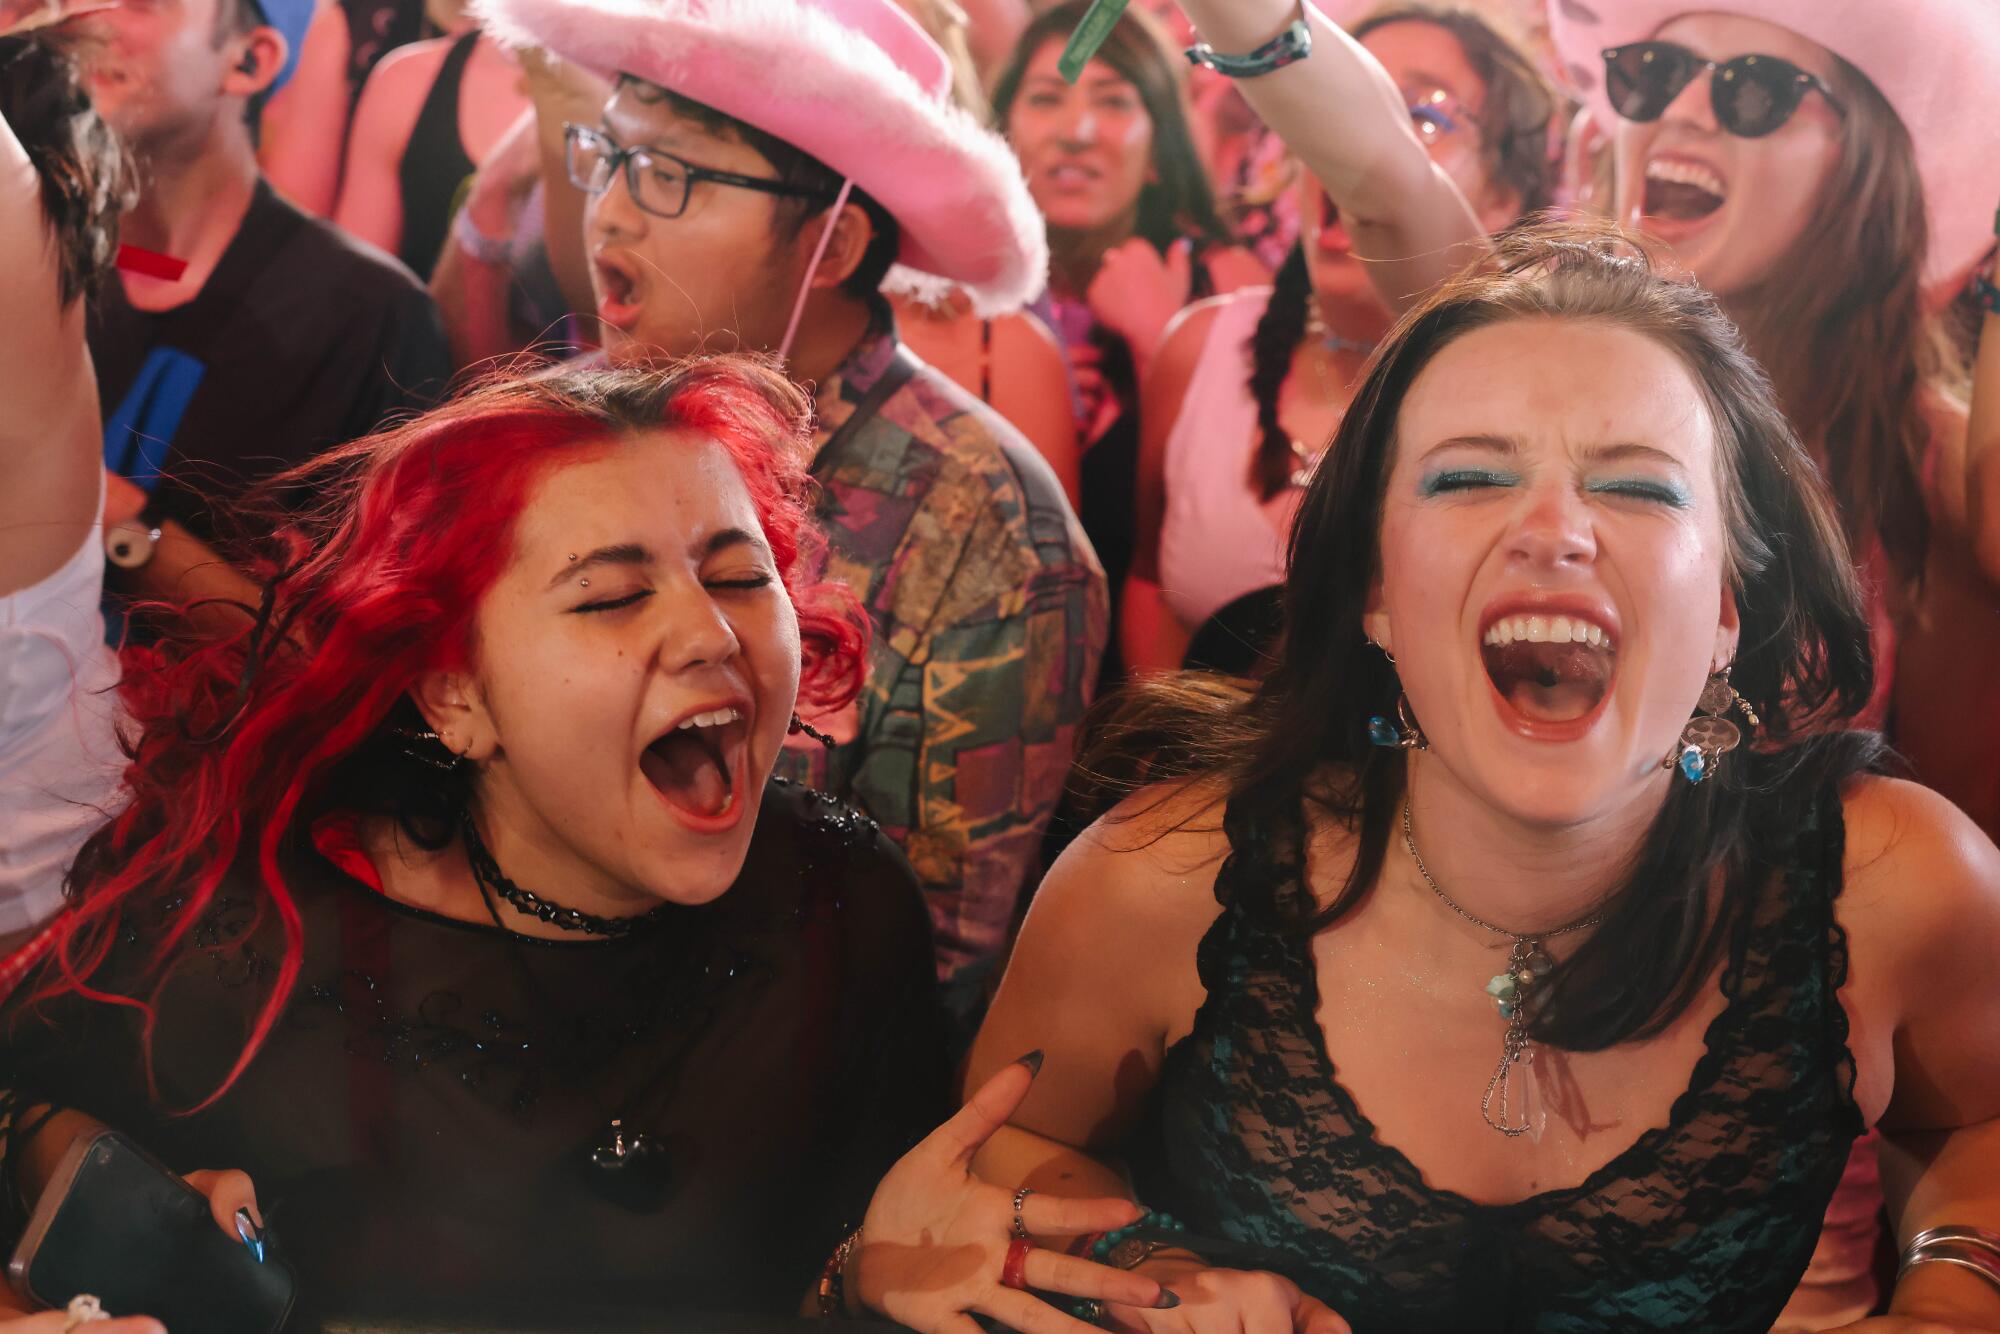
x: 688, y: 770
x: 1679, y: 200
x: 1552, y: 683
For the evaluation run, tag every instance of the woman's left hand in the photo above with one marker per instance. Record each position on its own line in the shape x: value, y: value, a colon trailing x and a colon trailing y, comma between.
x: 1137, y: 292
x: 935, y: 1238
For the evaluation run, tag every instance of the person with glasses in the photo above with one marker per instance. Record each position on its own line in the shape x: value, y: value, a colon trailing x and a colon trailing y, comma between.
x: 757, y: 187
x: 1249, y: 387
x: 1819, y: 167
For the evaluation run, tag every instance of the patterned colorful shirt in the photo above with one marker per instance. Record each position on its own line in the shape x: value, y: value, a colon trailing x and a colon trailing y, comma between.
x: 990, y: 615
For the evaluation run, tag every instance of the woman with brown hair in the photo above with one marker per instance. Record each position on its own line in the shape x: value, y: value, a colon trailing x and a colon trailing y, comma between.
x: 1807, y: 161
x: 1248, y: 387
x: 1133, y: 235
x: 1525, y: 952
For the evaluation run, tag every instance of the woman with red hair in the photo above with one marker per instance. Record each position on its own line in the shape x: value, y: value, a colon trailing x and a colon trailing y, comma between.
x: 450, y: 904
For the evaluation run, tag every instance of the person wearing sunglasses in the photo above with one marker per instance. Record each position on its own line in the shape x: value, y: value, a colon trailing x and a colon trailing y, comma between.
x: 1821, y: 166
x: 1224, y: 453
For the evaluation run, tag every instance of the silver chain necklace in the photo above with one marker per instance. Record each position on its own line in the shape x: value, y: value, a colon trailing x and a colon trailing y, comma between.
x: 1527, y: 964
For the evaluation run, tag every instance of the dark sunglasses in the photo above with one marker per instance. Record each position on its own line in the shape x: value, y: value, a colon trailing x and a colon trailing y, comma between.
x: 1752, y: 95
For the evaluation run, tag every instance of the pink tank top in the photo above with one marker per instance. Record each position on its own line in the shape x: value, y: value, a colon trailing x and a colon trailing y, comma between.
x: 1217, y: 542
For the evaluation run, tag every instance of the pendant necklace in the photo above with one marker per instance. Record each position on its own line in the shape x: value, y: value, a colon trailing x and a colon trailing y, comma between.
x: 1527, y: 965
x: 1304, y: 460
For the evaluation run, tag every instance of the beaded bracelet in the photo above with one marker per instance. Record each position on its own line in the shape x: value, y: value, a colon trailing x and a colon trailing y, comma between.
x: 832, y: 1290
x: 1125, y: 1248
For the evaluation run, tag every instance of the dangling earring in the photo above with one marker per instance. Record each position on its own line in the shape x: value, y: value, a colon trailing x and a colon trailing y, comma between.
x: 1709, y: 736
x: 1403, y: 733
x: 800, y: 725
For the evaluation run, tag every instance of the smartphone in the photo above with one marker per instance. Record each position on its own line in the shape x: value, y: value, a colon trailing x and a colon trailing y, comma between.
x: 116, y: 1224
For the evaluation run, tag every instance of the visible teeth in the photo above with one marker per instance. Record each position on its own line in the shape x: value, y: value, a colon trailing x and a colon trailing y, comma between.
x: 714, y: 718
x: 1545, y: 630
x: 1686, y: 173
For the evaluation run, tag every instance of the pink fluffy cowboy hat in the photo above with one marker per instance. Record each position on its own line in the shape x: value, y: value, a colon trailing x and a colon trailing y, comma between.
x: 855, y: 83
x: 1932, y: 60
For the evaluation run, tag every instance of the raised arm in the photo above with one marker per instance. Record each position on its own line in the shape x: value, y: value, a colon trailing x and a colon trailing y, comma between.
x: 50, y: 440
x: 1342, y: 116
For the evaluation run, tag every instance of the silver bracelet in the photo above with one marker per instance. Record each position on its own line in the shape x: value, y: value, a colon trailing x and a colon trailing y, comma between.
x: 477, y: 245
x: 1970, y: 1248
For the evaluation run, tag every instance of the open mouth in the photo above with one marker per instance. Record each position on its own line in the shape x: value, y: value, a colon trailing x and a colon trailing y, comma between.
x: 697, y: 764
x: 1681, y: 191
x: 1549, y: 669
x: 617, y: 301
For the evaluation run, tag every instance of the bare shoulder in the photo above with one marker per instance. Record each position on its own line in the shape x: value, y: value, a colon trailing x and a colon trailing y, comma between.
x: 1921, y: 882
x: 1232, y: 267
x: 1149, y: 864
x: 1187, y: 332
x: 408, y: 69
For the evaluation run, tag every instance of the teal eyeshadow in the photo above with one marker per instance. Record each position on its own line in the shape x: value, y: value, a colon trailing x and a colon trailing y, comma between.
x: 1452, y: 478
x: 1665, y: 492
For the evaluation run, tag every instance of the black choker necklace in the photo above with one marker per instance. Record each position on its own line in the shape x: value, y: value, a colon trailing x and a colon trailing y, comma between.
x: 486, y: 872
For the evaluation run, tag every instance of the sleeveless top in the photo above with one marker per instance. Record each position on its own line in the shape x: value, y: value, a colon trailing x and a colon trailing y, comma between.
x: 1216, y: 541
x: 435, y: 164
x: 1703, y: 1224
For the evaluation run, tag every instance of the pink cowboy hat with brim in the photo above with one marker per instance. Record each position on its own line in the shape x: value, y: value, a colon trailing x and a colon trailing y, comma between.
x: 856, y: 84
x: 1932, y: 61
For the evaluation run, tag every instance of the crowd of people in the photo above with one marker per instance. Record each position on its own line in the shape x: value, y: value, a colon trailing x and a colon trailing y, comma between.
x: 608, y: 608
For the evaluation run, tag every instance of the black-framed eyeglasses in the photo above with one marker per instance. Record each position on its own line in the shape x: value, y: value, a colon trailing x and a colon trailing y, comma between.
x: 658, y: 182
x: 1752, y: 95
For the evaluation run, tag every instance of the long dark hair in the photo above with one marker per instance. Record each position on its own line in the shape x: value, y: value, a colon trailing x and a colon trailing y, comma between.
x: 1180, y: 202
x: 86, y: 175
x: 1803, y: 659
x: 1514, y: 127
x: 1840, y: 324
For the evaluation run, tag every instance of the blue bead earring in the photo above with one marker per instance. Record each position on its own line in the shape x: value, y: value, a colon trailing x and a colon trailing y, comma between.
x: 1403, y: 733
x: 1709, y: 735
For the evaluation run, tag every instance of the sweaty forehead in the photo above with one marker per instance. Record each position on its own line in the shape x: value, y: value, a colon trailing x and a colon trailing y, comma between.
x: 1554, y: 385
x: 1723, y: 36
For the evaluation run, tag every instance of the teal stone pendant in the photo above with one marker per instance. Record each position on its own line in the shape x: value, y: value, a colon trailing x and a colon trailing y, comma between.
x: 1382, y: 732
x: 1693, y: 765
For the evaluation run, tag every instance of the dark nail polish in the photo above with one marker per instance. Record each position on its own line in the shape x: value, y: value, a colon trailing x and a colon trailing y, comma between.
x: 1168, y: 1301
x: 1033, y: 1060
x: 252, y: 1235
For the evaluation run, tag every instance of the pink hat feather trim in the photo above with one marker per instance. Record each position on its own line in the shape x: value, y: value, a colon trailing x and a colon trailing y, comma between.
x: 1932, y: 60
x: 854, y: 83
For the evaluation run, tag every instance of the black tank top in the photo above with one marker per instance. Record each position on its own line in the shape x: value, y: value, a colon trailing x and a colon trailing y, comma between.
x: 1703, y: 1224
x: 434, y: 164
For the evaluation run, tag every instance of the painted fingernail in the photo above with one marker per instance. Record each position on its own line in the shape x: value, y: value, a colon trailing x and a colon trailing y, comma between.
x: 252, y: 1235
x: 1168, y: 1301
x: 1033, y: 1060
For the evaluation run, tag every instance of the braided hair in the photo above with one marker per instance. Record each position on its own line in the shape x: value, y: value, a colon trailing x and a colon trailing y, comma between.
x: 1514, y: 145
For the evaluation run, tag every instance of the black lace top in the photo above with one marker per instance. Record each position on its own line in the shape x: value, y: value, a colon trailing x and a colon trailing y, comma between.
x: 458, y: 1124
x: 1703, y: 1224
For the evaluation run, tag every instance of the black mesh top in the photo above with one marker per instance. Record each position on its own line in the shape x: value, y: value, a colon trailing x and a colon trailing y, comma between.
x: 431, y: 1125
x: 1705, y: 1223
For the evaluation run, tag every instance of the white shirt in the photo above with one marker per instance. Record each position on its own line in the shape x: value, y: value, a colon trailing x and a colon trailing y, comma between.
x: 61, y: 769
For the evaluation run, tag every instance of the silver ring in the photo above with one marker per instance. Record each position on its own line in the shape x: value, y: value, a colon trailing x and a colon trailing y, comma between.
x: 1021, y: 1198
x: 83, y: 1309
